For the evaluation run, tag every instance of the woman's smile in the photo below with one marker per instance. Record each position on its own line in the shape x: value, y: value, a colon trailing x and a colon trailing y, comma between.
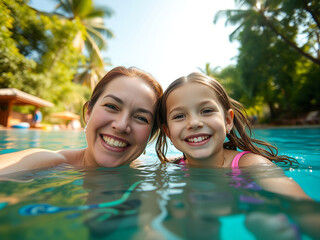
x: 115, y: 142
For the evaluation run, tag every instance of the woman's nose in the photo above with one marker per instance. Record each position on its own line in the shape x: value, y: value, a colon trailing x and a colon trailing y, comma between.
x: 195, y: 122
x: 122, y: 124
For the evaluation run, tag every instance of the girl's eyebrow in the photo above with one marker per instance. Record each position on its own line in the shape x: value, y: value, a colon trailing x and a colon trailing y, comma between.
x: 119, y: 100
x: 199, y: 104
x: 207, y: 101
x: 175, y: 109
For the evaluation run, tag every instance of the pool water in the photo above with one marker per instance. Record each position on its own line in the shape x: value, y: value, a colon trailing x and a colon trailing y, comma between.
x: 149, y: 200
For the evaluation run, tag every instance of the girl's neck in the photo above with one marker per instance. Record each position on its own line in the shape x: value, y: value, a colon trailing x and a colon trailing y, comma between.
x: 217, y: 161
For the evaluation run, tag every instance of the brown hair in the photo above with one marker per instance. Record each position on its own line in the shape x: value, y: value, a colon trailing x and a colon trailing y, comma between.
x: 240, y: 135
x: 129, y: 72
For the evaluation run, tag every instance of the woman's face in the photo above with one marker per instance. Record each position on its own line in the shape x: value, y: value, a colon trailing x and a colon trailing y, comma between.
x: 120, y: 123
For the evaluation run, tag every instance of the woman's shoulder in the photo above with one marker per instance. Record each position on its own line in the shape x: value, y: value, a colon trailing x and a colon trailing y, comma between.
x: 72, y: 156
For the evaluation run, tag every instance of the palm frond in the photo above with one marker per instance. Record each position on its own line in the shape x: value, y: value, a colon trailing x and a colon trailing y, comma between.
x: 101, y: 11
x: 94, y: 46
x: 97, y: 37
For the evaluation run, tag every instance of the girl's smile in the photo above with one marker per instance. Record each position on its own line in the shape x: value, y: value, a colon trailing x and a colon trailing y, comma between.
x: 197, y: 140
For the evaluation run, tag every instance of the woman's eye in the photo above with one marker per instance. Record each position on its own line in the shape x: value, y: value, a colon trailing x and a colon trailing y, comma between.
x: 179, y: 116
x: 111, y: 106
x: 142, y: 119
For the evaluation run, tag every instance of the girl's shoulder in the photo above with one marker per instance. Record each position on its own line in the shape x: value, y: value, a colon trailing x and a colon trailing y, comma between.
x: 250, y: 159
x: 244, y: 158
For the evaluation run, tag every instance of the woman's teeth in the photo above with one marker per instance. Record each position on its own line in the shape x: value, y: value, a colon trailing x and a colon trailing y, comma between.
x: 197, y: 139
x: 114, y: 143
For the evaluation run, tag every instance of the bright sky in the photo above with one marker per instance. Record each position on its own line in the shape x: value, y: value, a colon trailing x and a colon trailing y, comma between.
x: 167, y: 38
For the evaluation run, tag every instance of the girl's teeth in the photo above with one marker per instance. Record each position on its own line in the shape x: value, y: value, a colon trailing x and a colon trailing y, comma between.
x: 114, y: 143
x: 198, y: 139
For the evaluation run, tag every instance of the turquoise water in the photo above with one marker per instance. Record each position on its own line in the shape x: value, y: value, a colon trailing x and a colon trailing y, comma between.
x: 149, y: 200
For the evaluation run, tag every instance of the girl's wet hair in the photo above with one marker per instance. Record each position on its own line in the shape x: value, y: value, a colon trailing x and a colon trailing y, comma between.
x: 241, y: 134
x: 128, y: 72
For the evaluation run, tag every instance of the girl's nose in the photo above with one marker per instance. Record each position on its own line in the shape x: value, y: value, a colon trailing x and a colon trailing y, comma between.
x: 122, y: 124
x: 194, y: 123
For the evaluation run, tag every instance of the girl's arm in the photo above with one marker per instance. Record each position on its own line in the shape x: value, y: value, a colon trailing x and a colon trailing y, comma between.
x: 271, y: 177
x: 283, y: 185
x: 29, y: 159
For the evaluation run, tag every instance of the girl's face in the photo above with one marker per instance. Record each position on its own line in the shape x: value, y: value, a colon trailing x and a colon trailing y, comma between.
x: 197, y: 123
x: 120, y: 123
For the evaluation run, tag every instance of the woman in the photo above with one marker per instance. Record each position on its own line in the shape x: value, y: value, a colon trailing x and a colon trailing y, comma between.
x: 120, y: 118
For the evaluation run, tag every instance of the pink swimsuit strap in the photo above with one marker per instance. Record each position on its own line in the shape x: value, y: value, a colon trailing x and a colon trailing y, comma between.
x: 235, y: 161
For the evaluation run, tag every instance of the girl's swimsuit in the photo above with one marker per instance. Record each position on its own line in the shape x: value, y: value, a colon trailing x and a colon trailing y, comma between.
x: 234, y: 163
x: 238, y: 178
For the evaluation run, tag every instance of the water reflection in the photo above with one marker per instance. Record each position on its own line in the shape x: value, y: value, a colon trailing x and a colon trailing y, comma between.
x: 151, y: 202
x: 169, y: 201
x: 13, y: 140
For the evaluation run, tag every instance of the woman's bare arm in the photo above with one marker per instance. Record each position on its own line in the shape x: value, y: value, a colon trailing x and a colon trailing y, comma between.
x: 29, y: 159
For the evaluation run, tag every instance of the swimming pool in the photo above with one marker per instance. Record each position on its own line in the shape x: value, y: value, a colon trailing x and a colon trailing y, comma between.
x: 147, y: 200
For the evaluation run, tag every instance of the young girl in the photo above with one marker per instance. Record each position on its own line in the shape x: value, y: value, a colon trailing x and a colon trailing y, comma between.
x: 196, y: 114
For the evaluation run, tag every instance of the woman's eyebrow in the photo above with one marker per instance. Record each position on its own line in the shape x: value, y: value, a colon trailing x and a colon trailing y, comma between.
x: 119, y: 100
x: 143, y: 110
x: 114, y: 97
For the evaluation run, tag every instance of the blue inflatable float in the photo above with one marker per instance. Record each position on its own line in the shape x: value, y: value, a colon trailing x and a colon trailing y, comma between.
x: 21, y: 125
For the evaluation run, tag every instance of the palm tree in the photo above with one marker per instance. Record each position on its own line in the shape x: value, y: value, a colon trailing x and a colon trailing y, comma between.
x: 91, y: 39
x: 94, y: 70
x: 287, y: 19
x: 212, y: 72
x: 92, y: 19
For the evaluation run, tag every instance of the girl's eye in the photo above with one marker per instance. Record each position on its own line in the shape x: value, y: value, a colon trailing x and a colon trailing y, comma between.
x: 206, y: 110
x: 111, y: 107
x: 179, y: 116
x: 142, y: 119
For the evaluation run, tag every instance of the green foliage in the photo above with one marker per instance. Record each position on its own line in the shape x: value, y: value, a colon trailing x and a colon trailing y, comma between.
x: 37, y: 55
x: 278, y: 62
x: 14, y: 67
x: 71, y: 93
x: 93, y: 37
